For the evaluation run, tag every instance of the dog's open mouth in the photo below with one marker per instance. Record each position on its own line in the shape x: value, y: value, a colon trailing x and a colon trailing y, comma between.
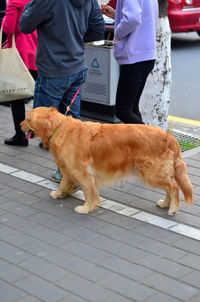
x: 30, y: 134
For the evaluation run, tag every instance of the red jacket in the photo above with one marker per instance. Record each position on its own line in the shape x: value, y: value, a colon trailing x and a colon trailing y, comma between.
x: 26, y: 44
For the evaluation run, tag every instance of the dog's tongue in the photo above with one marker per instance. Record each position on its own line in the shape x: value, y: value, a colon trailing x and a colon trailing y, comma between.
x: 28, y: 135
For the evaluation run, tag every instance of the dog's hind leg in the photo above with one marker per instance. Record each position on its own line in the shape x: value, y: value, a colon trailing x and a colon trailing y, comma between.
x: 172, y: 201
x: 92, y: 199
x: 175, y: 202
x: 167, y: 183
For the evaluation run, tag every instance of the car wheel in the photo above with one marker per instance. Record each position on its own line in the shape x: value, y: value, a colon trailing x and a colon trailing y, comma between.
x: 198, y: 33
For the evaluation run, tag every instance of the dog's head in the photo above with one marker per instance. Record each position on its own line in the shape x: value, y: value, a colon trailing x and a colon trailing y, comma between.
x: 42, y: 122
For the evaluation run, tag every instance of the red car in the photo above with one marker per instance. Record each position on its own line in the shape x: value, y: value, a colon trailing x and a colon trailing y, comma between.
x: 184, y: 15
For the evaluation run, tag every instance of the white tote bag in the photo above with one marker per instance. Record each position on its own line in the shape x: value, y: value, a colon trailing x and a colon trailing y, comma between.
x: 16, y: 81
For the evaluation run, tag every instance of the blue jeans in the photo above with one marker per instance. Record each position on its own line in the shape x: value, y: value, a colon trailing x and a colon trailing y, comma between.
x: 59, y: 92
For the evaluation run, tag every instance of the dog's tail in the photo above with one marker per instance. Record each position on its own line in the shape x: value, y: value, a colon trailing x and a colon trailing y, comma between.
x: 183, y: 180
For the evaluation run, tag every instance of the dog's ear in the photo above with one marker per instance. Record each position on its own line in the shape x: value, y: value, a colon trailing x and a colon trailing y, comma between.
x: 44, y: 127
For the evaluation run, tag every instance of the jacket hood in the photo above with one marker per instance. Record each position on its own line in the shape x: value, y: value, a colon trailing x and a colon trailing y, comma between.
x: 78, y: 3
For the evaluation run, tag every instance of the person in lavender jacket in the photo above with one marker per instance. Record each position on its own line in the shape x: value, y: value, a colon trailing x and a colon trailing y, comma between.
x: 135, y: 51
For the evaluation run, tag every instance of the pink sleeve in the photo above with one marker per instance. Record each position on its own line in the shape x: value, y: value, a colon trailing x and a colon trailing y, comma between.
x: 11, y: 17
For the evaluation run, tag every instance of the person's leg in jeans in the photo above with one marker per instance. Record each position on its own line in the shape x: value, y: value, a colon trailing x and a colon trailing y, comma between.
x: 130, y: 86
x: 75, y: 82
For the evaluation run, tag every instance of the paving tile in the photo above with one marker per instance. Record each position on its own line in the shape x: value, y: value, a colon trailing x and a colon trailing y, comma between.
x: 164, y: 266
x: 19, y: 223
x: 187, y: 231
x: 116, y: 232
x: 155, y: 220
x: 12, y: 254
x: 10, y: 272
x: 127, y: 288
x: 7, y: 169
x: 18, y: 208
x: 118, y: 208
x: 24, y: 186
x: 162, y: 298
x: 161, y: 249
x: 58, y: 258
x: 22, y: 197
x: 27, y: 176
x: 190, y: 260
x: 125, y: 268
x: 14, y: 237
x: 177, y: 289
x: 40, y: 249
x: 50, y: 221
x: 86, y: 221
x: 49, y: 236
x: 193, y: 279
x: 84, y: 235
x: 46, y: 183
x: 85, y: 251
x: 157, y: 233
x: 10, y: 293
x: 123, y: 221
x: 84, y: 288
x: 122, y: 250
x: 85, y: 269
x: 187, y: 244
x: 44, y: 269
x: 50, y: 208
x: 41, y: 289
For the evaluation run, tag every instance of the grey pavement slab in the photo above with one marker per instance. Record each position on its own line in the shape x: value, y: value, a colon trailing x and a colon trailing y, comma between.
x: 41, y: 289
x: 167, y: 285
x: 10, y: 293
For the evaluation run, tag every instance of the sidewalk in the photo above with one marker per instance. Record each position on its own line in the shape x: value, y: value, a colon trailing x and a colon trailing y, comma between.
x: 128, y: 250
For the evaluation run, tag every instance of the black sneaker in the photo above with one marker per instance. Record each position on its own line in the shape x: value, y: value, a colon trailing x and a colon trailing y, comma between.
x: 16, y: 141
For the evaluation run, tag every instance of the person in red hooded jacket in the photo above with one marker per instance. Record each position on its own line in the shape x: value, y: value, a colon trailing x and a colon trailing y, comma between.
x: 26, y: 45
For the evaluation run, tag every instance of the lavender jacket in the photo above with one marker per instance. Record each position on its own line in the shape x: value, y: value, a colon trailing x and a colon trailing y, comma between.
x: 135, y: 28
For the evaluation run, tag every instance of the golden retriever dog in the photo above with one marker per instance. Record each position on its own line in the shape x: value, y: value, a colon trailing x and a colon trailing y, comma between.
x: 91, y: 155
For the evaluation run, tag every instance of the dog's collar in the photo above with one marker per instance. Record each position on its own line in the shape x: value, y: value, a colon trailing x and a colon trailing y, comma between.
x: 55, y: 131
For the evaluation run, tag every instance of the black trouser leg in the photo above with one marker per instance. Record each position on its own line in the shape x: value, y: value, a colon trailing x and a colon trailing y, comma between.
x: 130, y: 86
x: 18, y: 113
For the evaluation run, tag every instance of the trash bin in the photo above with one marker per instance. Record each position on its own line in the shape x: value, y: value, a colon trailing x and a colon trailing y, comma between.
x: 99, y: 90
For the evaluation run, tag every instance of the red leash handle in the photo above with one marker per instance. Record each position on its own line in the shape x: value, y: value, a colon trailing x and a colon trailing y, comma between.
x: 68, y: 107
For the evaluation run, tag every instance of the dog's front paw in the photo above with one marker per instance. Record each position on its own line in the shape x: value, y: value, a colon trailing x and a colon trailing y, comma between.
x: 54, y: 194
x: 162, y: 204
x: 81, y: 210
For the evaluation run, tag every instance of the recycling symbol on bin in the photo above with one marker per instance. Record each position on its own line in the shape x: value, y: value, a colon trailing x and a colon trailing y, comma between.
x: 95, y: 63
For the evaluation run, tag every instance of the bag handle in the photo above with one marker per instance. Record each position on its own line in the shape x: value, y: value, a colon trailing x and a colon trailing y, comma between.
x: 13, y: 39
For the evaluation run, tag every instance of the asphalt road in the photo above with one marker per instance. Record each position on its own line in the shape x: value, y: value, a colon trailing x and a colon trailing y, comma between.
x: 185, y: 95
